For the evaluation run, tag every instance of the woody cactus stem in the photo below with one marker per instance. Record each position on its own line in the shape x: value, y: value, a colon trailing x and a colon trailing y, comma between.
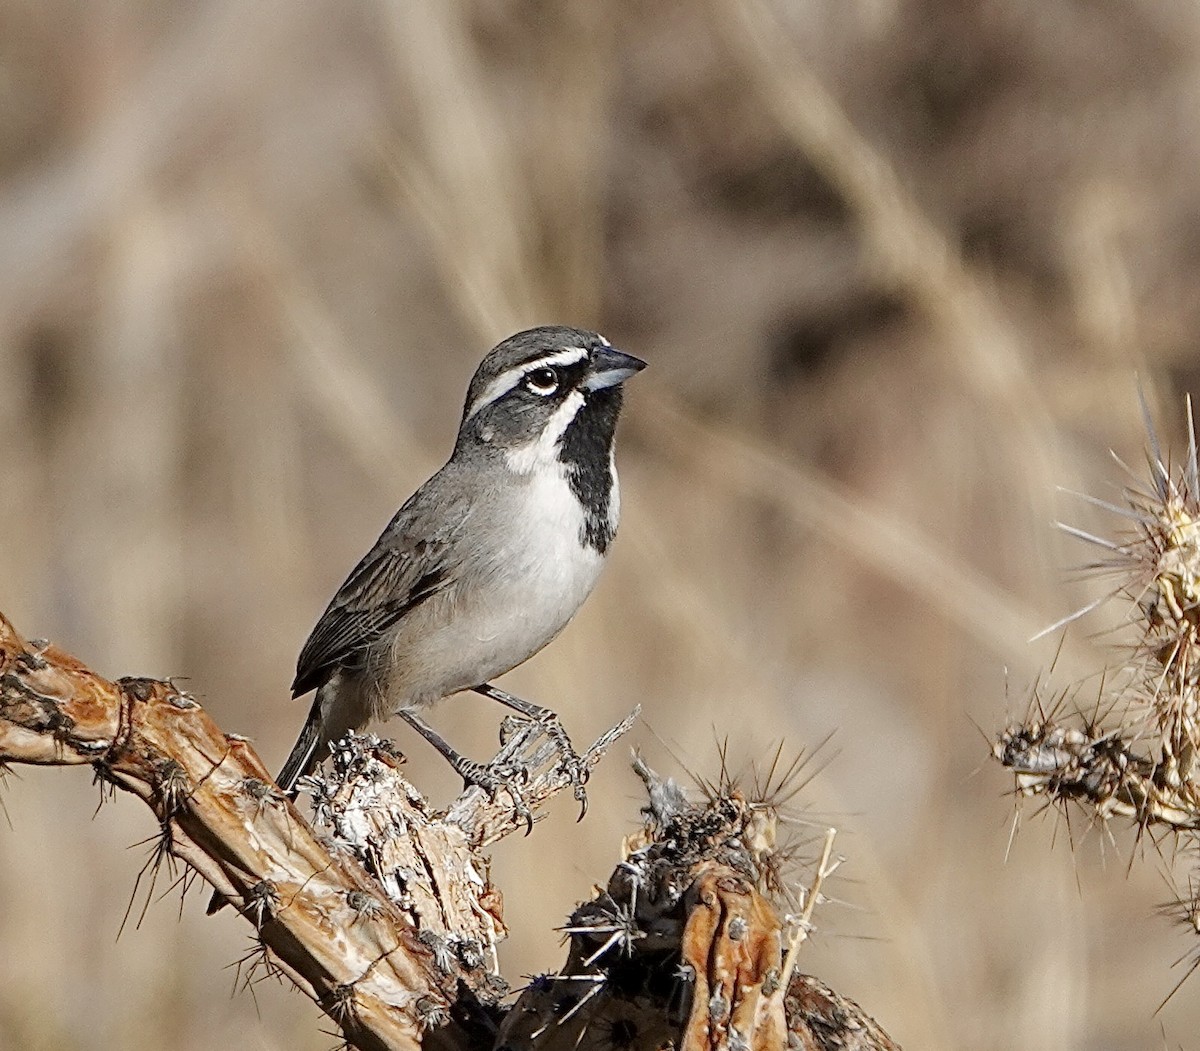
x: 211, y: 795
x: 394, y: 933
x: 684, y: 946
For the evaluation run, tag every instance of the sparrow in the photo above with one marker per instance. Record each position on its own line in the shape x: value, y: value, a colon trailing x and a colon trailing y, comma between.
x: 486, y: 562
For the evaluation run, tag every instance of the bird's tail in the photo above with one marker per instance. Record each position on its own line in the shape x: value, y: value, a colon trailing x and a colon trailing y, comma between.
x: 311, y: 747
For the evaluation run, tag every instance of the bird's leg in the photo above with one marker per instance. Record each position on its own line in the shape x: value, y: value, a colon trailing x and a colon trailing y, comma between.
x: 571, y: 761
x: 471, y: 772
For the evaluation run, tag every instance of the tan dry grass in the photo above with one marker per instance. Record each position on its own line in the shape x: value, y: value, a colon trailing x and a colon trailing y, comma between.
x: 250, y: 256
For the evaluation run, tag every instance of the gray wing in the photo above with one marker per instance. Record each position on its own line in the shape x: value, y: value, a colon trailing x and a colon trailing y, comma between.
x: 407, y: 565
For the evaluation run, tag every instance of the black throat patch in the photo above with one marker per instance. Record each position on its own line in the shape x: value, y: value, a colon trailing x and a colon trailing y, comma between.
x: 586, y: 451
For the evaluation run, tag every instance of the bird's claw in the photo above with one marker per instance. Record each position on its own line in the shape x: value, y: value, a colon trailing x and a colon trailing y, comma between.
x: 495, y: 779
x: 581, y: 797
x: 570, y: 762
x: 575, y: 767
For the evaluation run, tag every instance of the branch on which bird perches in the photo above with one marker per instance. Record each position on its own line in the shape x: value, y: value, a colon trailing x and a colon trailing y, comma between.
x: 399, y: 961
x: 381, y: 910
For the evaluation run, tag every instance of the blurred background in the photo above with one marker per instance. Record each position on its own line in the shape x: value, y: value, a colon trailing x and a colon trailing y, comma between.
x: 895, y: 265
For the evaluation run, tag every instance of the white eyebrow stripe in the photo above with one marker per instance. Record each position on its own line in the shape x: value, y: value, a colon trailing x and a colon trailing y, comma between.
x: 509, y: 378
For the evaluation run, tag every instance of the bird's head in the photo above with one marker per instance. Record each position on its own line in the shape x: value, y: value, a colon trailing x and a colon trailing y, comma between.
x: 546, y: 395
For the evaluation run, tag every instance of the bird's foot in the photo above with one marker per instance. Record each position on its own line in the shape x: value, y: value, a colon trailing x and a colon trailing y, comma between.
x: 570, y: 761
x: 496, y: 778
x: 491, y: 777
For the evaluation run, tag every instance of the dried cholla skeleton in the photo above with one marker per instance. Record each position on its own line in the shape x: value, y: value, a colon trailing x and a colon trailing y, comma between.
x: 1135, y: 756
x: 382, y: 910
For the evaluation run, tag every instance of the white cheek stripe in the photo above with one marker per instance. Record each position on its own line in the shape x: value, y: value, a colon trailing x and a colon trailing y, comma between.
x: 543, y: 450
x: 508, y: 379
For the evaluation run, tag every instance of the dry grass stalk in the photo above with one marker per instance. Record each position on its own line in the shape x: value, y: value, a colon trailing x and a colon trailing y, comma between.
x: 382, y: 910
x: 903, y: 242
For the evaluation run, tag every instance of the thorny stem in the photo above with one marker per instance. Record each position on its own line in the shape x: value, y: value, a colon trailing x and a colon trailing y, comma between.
x: 1135, y: 755
x: 690, y: 891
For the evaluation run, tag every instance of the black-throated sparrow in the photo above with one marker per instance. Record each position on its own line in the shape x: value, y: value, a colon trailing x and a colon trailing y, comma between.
x: 487, y: 561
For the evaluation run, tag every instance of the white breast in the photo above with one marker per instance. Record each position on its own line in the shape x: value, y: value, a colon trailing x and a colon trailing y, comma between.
x: 507, y: 605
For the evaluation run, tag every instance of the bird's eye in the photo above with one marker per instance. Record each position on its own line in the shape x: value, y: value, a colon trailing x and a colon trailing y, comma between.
x: 542, y: 381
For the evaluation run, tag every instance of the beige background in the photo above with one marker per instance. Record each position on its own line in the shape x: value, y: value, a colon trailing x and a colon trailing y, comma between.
x: 894, y: 263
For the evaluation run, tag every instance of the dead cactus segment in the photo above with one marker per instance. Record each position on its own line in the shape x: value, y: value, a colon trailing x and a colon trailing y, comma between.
x: 1099, y: 770
x: 1070, y: 762
x: 423, y: 870
x: 684, y: 946
x: 52, y: 709
x: 733, y: 943
x: 821, y: 1020
x: 386, y: 916
x: 1135, y: 756
x: 146, y: 737
x: 429, y: 863
x: 1140, y: 763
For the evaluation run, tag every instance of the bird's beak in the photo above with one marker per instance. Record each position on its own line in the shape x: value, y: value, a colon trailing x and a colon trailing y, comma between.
x: 610, y: 367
